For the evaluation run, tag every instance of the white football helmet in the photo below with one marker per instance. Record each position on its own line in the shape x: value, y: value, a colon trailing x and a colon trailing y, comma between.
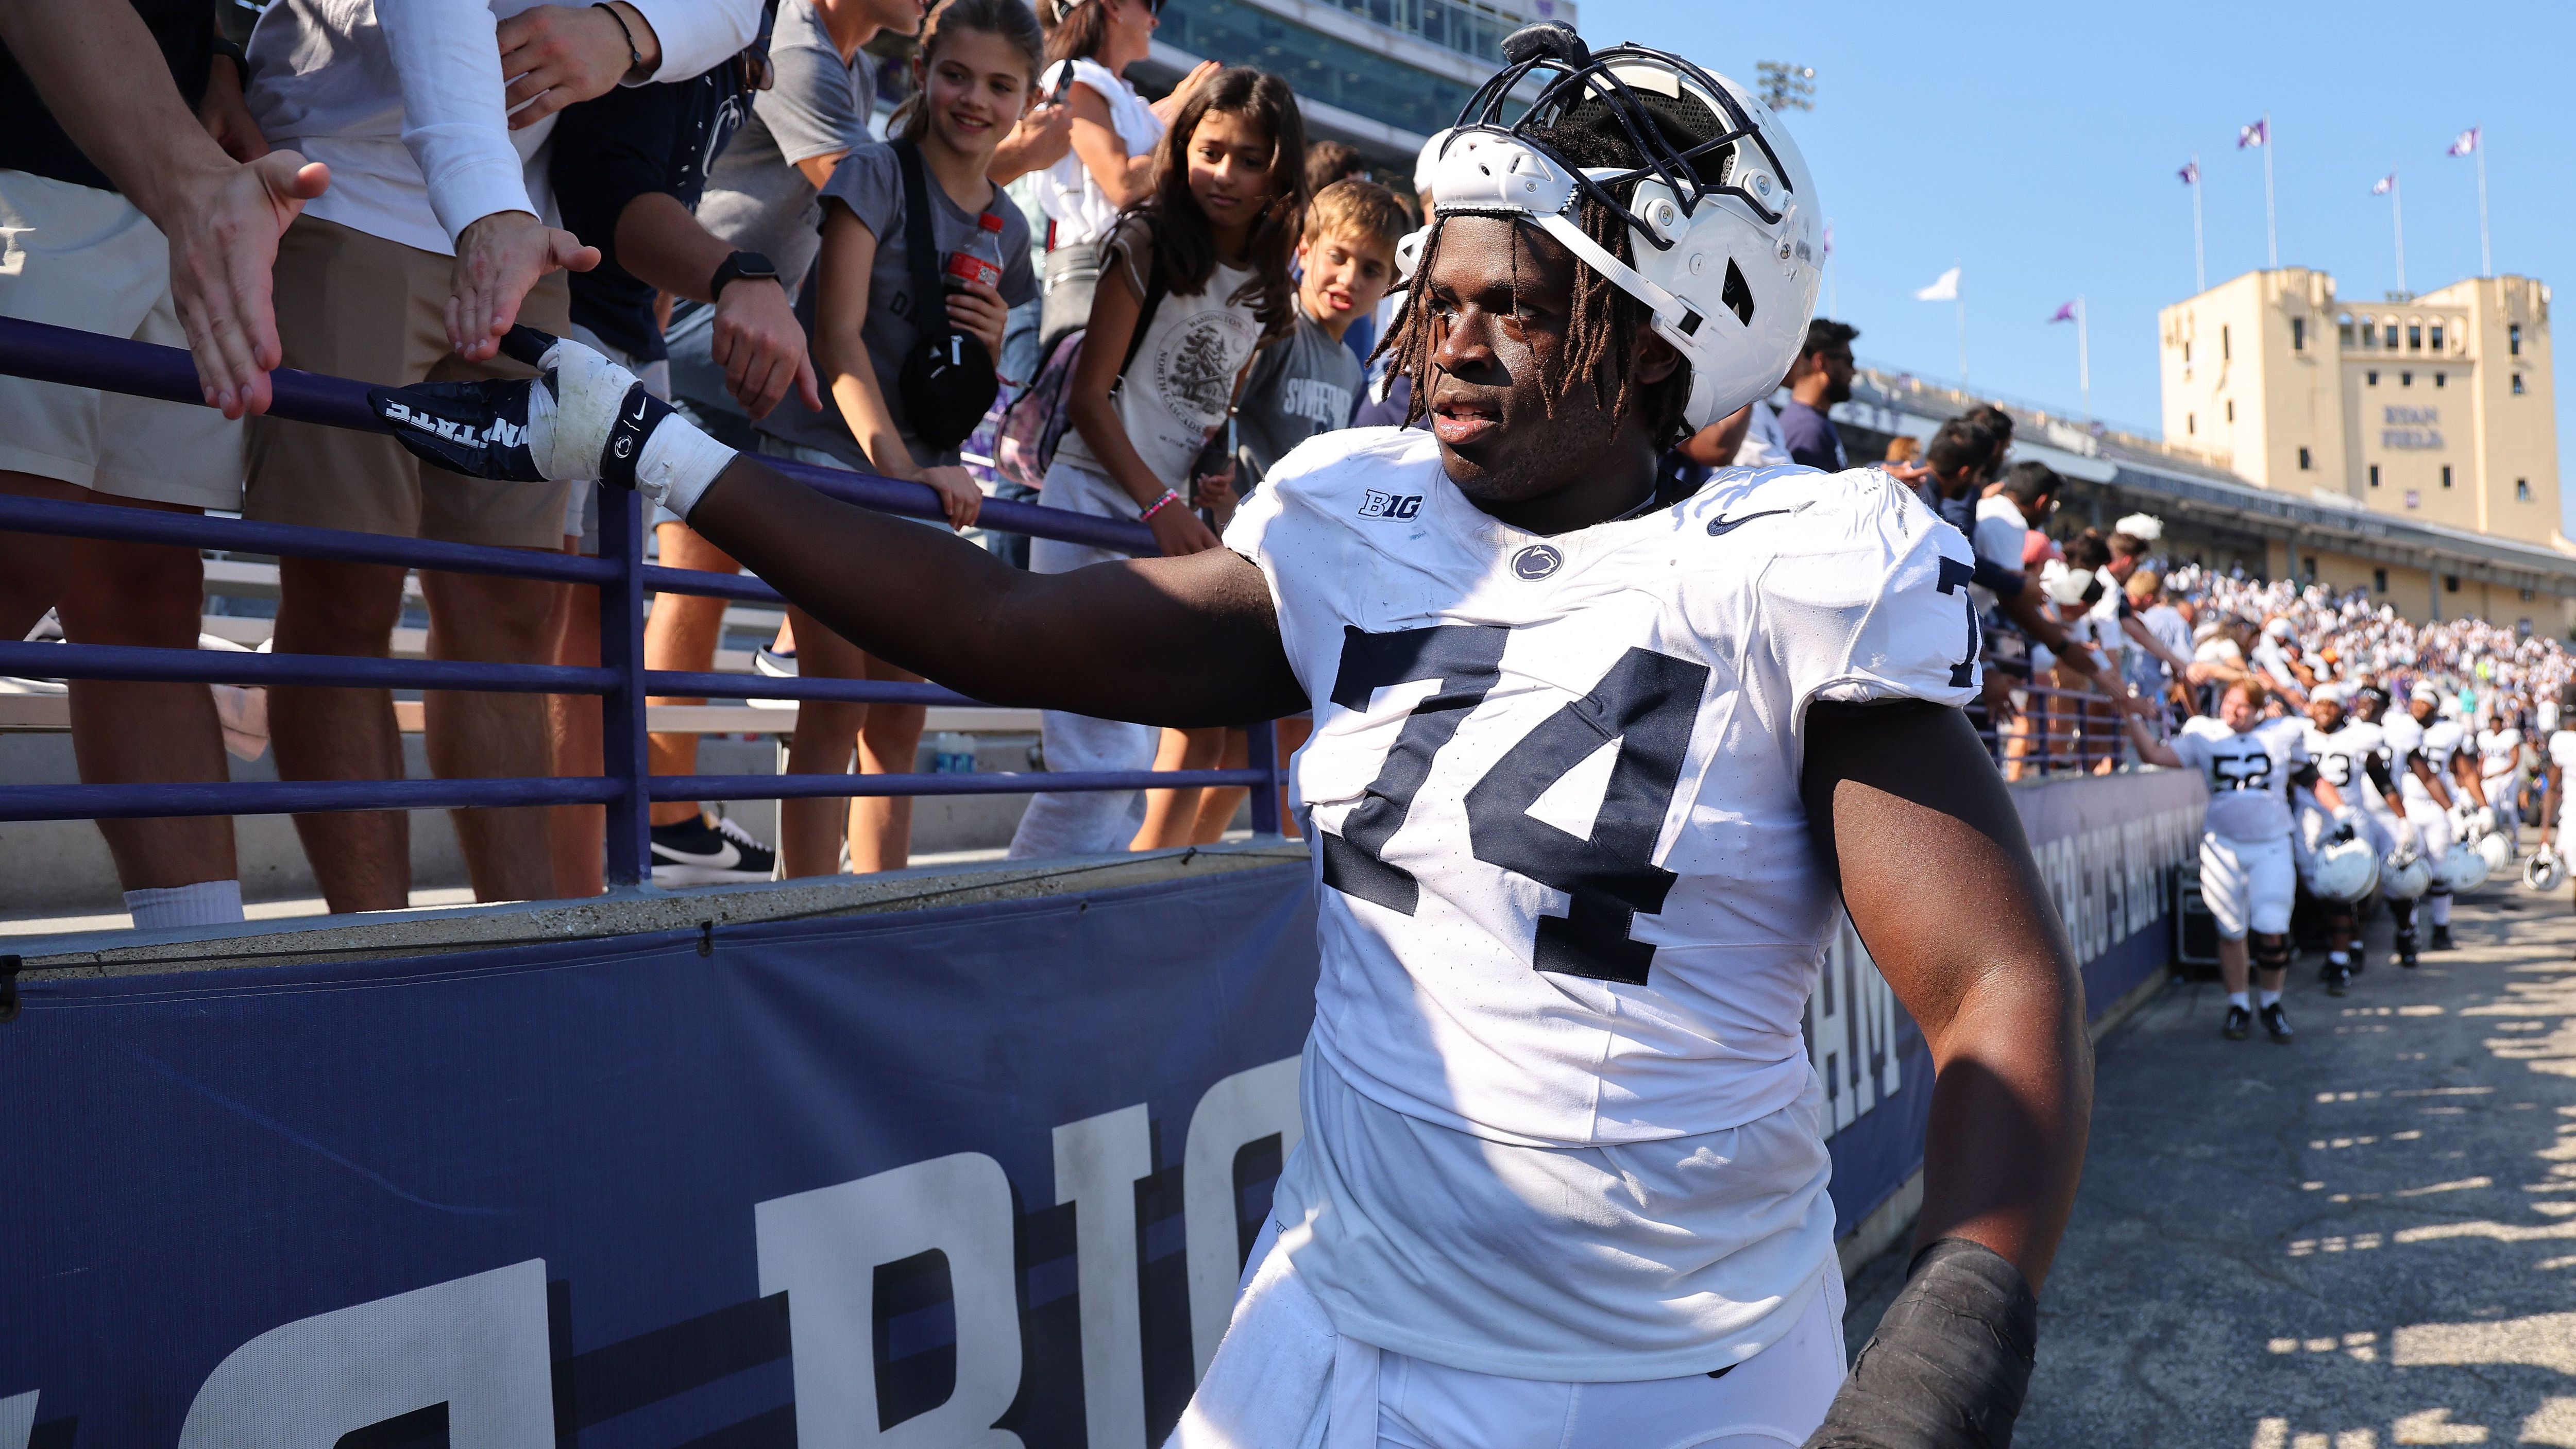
x: 2343, y: 870
x: 2464, y: 820
x: 2544, y: 872
x: 2496, y: 851
x: 2463, y: 869
x: 2404, y: 875
x: 1723, y: 221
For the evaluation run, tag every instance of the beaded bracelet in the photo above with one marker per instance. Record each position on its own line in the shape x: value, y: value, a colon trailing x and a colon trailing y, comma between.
x: 1158, y: 505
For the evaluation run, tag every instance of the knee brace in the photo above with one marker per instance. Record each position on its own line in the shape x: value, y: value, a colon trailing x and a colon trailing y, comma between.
x: 2270, y: 952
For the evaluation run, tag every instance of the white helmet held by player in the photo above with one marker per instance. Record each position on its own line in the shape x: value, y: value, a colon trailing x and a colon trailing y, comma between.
x: 2405, y: 875
x: 2343, y: 870
x: 2463, y: 869
x: 2496, y: 851
x: 2544, y: 872
x: 1723, y: 222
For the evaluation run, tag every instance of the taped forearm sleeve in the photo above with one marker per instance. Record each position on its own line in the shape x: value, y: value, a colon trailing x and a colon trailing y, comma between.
x: 1950, y: 1362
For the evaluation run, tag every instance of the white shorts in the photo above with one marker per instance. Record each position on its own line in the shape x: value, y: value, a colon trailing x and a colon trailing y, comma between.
x: 1282, y: 1379
x: 2432, y: 834
x: 2248, y: 885
x: 76, y: 256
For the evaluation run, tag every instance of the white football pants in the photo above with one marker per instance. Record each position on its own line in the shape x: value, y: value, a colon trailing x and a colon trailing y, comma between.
x: 2248, y: 884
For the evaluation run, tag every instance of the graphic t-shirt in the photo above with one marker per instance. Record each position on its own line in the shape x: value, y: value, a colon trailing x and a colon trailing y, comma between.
x: 1177, y: 391
x: 1301, y: 385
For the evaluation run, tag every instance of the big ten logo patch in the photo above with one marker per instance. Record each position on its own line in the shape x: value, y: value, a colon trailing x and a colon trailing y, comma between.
x: 1374, y: 504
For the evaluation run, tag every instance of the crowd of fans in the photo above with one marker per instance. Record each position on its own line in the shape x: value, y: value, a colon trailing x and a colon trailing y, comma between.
x: 1029, y: 281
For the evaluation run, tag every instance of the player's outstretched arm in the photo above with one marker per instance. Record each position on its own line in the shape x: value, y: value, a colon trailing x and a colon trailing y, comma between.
x: 1176, y: 641
x: 1911, y: 817
x: 1180, y: 641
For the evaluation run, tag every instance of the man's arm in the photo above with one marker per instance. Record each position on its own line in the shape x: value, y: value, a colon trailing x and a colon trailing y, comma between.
x: 1037, y: 141
x: 2549, y: 774
x: 107, y: 85
x: 758, y: 341
x: 2150, y: 749
x: 1185, y: 642
x: 555, y: 56
x: 1982, y: 964
x: 2433, y: 785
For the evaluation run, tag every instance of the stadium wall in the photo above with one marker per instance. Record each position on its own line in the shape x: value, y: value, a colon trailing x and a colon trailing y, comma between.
x: 971, y: 1174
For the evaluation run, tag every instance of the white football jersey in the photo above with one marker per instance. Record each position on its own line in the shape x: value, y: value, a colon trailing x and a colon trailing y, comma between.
x: 2248, y: 776
x: 2405, y: 744
x: 1553, y: 782
x: 2562, y: 753
x: 2343, y: 760
x: 2499, y: 753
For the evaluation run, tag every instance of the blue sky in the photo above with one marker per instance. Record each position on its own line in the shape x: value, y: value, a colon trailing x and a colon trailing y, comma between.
x: 2038, y: 150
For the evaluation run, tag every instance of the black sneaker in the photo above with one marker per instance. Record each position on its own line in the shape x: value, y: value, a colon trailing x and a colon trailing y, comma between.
x: 2338, y: 980
x: 701, y: 852
x: 2239, y: 1022
x: 2442, y: 939
x: 2277, y: 1022
x: 2406, y: 950
x: 2357, y: 958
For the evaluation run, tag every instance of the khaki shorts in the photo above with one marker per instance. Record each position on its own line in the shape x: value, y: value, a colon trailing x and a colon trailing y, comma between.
x: 76, y: 256
x: 358, y: 306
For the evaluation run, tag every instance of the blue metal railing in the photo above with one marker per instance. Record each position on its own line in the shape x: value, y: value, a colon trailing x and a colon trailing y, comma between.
x: 81, y: 359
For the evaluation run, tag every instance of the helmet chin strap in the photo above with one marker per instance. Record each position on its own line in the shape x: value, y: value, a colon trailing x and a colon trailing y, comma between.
x: 1676, y: 319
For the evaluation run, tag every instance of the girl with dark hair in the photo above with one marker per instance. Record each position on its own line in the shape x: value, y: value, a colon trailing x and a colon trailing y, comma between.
x: 1089, y: 46
x: 1194, y: 278
x: 974, y: 72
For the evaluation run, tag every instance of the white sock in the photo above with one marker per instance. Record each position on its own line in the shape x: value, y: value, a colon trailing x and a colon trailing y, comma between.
x: 2441, y: 910
x: 169, y: 908
x: 2270, y: 998
x: 2237, y: 999
x: 679, y: 463
x: 2339, y: 957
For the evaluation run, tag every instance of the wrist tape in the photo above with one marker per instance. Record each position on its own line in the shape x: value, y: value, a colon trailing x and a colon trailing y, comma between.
x: 1950, y: 1363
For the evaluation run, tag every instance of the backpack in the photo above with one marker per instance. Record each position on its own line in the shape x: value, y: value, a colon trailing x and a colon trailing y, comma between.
x: 1035, y: 421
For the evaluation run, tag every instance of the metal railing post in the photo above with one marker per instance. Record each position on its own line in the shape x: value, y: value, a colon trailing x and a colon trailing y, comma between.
x: 1262, y: 753
x: 623, y: 755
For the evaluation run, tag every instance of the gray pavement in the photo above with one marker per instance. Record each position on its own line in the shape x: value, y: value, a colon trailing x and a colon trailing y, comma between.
x: 2364, y: 1239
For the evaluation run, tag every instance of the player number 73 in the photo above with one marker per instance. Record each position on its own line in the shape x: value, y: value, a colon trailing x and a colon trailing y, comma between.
x: 1647, y: 701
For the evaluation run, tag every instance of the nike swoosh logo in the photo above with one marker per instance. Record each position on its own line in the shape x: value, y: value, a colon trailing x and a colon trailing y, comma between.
x: 1720, y: 527
x: 642, y: 405
x: 725, y: 859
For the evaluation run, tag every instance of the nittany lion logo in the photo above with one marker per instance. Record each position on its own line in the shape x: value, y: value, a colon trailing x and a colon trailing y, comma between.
x: 1374, y: 504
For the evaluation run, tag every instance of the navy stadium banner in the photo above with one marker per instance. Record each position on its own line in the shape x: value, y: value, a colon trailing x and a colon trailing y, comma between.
x: 976, y: 1177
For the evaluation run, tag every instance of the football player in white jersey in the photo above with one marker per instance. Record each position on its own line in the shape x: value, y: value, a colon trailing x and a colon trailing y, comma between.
x: 2381, y: 805
x: 2500, y: 766
x: 2248, y: 848
x: 1589, y: 769
x: 2557, y: 757
x: 2350, y: 755
x: 2420, y: 746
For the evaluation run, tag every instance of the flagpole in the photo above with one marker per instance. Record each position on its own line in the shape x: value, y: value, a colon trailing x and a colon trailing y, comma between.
x: 2397, y: 210
x: 2271, y: 215
x: 2083, y: 357
x: 2199, y: 251
x: 2486, y: 256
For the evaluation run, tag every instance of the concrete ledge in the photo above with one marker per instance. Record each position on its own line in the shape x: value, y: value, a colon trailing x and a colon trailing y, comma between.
x: 473, y: 928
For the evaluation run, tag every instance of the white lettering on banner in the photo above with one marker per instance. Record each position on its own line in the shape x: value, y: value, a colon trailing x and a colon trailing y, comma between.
x: 822, y: 1249
x: 1098, y: 1162
x: 17, y: 1420
x: 2107, y: 884
x: 1236, y: 1112
x: 476, y: 1344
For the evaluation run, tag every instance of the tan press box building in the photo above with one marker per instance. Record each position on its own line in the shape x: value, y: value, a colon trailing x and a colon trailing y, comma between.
x: 2435, y: 409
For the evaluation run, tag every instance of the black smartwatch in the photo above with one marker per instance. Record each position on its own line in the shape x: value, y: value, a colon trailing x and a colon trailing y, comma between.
x: 741, y: 267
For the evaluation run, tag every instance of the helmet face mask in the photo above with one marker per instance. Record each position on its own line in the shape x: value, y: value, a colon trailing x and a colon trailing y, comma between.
x: 1721, y: 226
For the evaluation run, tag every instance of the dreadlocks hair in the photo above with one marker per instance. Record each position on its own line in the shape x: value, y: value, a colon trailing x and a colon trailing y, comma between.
x: 1603, y: 323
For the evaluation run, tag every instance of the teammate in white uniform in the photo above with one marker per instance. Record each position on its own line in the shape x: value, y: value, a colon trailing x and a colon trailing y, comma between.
x: 2381, y: 806
x: 2500, y: 769
x: 2557, y: 758
x: 2248, y: 850
x: 1590, y: 767
x: 2349, y: 755
x: 2420, y: 746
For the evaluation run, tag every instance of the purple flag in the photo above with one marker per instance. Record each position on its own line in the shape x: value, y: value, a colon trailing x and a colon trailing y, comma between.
x: 2384, y: 184
x: 2064, y: 314
x: 2258, y: 134
x: 2466, y: 142
x: 2190, y: 173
